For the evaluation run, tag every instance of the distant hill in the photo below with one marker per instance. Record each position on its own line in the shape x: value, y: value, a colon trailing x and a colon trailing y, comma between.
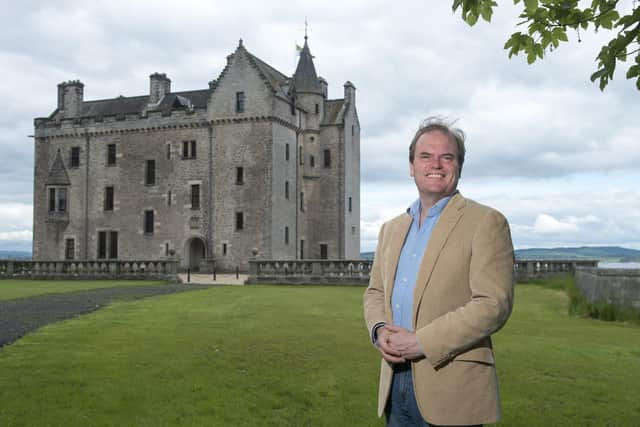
x: 601, y: 253
x: 15, y: 255
x: 367, y: 255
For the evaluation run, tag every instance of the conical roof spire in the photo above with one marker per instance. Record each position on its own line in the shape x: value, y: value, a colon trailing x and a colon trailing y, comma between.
x: 58, y: 173
x: 305, y: 78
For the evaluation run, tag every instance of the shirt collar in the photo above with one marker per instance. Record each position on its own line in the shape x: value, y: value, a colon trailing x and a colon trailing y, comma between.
x: 416, y: 207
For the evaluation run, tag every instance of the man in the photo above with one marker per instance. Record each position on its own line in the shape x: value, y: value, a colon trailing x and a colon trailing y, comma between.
x: 441, y: 284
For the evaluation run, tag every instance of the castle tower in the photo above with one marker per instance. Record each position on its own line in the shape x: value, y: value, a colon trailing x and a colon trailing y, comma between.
x: 308, y: 89
x: 70, y: 98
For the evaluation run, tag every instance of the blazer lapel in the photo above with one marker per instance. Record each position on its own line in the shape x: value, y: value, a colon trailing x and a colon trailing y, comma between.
x: 446, y: 223
x: 398, y: 236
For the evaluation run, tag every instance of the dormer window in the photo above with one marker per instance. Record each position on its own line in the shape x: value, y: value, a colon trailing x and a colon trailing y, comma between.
x: 75, y: 157
x: 239, y: 102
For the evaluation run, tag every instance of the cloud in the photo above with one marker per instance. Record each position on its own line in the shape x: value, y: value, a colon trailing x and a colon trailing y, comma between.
x: 24, y: 235
x: 15, y: 218
x: 547, y: 224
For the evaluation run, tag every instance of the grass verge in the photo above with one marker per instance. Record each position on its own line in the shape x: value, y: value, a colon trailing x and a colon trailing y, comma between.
x: 299, y: 356
x: 12, y: 289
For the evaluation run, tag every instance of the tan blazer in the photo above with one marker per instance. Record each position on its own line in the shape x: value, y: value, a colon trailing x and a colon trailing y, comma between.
x: 463, y: 294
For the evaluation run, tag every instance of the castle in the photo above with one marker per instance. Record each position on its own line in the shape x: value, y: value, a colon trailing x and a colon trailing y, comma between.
x: 259, y: 164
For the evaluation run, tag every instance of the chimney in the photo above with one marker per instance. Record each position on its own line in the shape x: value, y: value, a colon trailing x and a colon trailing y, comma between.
x: 70, y: 98
x: 350, y: 92
x: 159, y: 86
x: 324, y: 87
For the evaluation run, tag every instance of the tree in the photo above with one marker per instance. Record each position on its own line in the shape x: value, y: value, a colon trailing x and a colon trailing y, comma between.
x: 549, y: 20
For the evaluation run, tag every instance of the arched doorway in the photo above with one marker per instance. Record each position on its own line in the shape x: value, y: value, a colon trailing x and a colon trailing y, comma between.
x: 196, y: 253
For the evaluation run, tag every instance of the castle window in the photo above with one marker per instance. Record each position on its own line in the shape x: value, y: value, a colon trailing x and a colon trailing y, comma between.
x: 102, y: 245
x: 301, y: 201
x: 292, y: 105
x: 317, y: 108
x: 286, y: 235
x: 286, y: 152
x: 75, y: 157
x: 195, y: 196
x: 286, y: 190
x: 324, y: 250
x: 301, y: 156
x: 353, y: 229
x: 148, y: 222
x: 353, y: 130
x: 301, y: 249
x: 239, y: 102
x: 150, y: 173
x: 166, y: 249
x: 312, y: 161
x: 188, y: 149
x: 224, y: 249
x: 108, y: 198
x: 62, y: 199
x: 327, y: 158
x: 111, y: 154
x: 239, y: 221
x: 52, y: 200
x: 113, y: 244
x: 69, y: 249
x: 239, y: 175
x: 169, y: 198
x: 57, y: 199
x: 350, y: 206
x: 168, y: 151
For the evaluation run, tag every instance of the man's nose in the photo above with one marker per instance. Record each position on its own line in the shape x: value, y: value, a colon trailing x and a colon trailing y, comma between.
x: 434, y: 162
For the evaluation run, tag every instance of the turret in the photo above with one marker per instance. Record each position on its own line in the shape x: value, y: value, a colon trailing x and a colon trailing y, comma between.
x: 70, y: 98
x: 324, y: 86
x: 308, y: 88
x: 350, y: 93
x: 159, y: 86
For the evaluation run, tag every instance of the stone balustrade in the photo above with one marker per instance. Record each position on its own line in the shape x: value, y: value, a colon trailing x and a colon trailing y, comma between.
x: 357, y: 271
x: 535, y: 269
x: 312, y: 271
x: 90, y: 270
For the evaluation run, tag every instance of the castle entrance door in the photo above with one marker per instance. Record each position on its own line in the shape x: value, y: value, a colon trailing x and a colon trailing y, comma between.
x: 197, y: 253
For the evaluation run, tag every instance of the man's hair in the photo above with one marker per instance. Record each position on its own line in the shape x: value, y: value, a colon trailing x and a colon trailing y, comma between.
x: 438, y: 124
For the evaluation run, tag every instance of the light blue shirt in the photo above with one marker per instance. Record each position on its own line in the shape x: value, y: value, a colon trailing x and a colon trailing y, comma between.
x: 410, y: 260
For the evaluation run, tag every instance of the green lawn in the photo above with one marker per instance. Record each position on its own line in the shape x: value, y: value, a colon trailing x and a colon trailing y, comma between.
x: 260, y: 355
x: 12, y: 289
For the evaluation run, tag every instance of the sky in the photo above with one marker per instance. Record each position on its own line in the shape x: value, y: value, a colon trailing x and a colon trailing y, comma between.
x: 544, y: 145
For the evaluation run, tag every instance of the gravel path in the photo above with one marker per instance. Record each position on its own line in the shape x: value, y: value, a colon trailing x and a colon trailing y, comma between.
x: 20, y: 316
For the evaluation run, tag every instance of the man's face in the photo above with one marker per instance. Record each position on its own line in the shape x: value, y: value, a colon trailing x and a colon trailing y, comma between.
x: 435, y: 167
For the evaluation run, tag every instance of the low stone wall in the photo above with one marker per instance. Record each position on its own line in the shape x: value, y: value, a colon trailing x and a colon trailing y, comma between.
x: 90, y: 270
x: 536, y: 269
x: 335, y: 272
x: 616, y: 286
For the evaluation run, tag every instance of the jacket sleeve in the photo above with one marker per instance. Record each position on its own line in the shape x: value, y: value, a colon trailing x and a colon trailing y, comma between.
x: 374, y: 295
x: 491, y: 302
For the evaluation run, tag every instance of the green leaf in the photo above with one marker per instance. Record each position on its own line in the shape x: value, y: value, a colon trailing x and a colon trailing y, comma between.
x: 531, y: 6
x: 531, y: 57
x: 471, y: 19
x: 633, y: 71
x: 487, y: 12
